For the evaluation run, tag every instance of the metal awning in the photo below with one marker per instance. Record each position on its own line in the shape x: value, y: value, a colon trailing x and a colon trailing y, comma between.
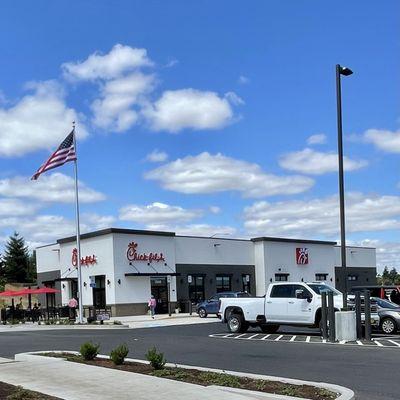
x: 152, y: 274
x: 65, y: 279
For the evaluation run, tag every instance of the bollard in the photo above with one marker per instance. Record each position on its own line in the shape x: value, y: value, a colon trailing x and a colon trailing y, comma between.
x: 190, y: 307
x: 324, y: 313
x: 358, y: 315
x: 367, y: 312
x: 331, y: 317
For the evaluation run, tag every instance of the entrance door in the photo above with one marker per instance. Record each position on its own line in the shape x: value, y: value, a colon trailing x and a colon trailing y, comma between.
x: 99, y: 292
x: 159, y: 290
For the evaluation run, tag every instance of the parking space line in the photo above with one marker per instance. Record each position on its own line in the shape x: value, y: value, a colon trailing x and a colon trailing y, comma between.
x: 359, y: 343
x: 266, y: 337
x: 228, y: 335
x: 342, y: 342
x: 292, y: 338
x: 278, y: 338
x: 379, y: 343
x: 251, y: 337
x: 308, y: 338
x: 395, y: 343
x: 237, y: 337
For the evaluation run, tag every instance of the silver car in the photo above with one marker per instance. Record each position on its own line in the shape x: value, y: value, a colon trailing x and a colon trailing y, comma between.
x: 389, y: 314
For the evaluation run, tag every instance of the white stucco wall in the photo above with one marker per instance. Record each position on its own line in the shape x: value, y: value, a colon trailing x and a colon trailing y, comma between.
x: 135, y: 289
x: 192, y: 250
x: 280, y: 257
x: 48, y: 258
x: 101, y: 247
x: 356, y: 256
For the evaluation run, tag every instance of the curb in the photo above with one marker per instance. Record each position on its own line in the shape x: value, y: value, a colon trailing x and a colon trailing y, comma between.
x: 344, y: 393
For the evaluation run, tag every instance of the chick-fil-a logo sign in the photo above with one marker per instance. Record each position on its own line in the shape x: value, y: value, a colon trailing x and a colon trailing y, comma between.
x: 302, y: 255
x: 133, y: 255
x: 88, y: 260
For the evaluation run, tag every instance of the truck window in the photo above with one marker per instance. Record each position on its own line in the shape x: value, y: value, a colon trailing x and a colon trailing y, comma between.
x: 282, y: 291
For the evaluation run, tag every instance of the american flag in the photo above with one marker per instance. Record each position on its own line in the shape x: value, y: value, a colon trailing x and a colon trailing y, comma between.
x: 64, y: 153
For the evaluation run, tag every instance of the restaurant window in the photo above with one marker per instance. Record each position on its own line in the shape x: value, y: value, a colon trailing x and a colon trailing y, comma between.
x: 281, y: 277
x: 246, y: 283
x: 196, y: 288
x: 223, y: 283
x: 50, y: 297
x: 321, y: 277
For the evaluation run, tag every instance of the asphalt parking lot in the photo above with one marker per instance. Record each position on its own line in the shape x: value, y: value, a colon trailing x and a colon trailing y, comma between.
x: 369, y: 371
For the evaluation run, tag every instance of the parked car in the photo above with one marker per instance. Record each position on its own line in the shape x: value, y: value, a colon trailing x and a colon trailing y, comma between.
x: 389, y: 314
x: 211, y: 306
x: 387, y: 292
x: 294, y: 303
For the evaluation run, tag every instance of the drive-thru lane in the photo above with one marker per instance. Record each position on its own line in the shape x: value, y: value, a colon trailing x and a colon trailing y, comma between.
x: 361, y: 368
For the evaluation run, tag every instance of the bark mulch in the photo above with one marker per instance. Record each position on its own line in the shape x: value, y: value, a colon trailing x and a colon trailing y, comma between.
x: 11, y: 392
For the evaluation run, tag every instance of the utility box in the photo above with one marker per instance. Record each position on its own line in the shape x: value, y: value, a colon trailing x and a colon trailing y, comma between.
x: 345, y: 323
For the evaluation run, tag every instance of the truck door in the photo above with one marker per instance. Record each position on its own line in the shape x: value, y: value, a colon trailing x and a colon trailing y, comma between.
x: 299, y: 310
x: 276, y: 307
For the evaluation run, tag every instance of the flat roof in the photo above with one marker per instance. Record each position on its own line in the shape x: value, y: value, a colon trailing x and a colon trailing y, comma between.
x: 116, y: 230
x: 277, y: 239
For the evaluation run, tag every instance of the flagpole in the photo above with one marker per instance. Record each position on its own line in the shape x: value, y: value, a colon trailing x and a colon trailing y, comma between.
x: 78, y: 233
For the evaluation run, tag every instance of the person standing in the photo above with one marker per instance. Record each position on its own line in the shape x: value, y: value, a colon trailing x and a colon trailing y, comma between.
x: 72, y: 304
x: 152, y: 306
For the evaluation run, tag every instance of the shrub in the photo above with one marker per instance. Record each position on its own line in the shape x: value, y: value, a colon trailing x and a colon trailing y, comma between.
x: 89, y: 350
x: 118, y: 354
x: 157, y: 360
x: 21, y: 394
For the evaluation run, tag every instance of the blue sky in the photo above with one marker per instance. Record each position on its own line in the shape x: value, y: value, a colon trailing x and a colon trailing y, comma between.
x: 201, y: 117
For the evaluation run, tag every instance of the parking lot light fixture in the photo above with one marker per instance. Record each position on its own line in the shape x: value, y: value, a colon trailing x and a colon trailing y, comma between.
x: 345, y: 71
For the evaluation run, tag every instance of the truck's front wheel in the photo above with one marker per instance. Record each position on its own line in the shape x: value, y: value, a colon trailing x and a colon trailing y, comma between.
x: 237, y: 324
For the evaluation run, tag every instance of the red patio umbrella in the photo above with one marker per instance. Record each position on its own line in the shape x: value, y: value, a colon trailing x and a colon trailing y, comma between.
x: 43, y: 290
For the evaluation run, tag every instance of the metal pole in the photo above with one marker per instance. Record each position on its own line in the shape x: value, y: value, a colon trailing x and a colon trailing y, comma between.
x: 341, y: 183
x: 78, y: 235
x: 358, y: 315
x: 367, y: 313
x: 168, y: 295
x: 331, y: 314
x: 324, y: 312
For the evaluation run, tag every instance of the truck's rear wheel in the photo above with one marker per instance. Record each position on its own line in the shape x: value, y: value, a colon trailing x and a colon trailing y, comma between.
x: 237, y: 324
x: 269, y: 328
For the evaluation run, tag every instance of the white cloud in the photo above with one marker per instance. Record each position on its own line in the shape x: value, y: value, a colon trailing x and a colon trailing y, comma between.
x: 309, y: 161
x: 40, y: 120
x: 387, y: 253
x: 182, y: 109
x: 114, y: 109
x: 320, y: 216
x: 215, y: 209
x: 119, y: 60
x: 243, y: 80
x: 171, y: 63
x: 157, y: 156
x: 157, y: 214
x: 15, y: 208
x: 55, y: 187
x: 95, y: 221
x: 385, y: 140
x: 206, y: 173
x: 319, y: 138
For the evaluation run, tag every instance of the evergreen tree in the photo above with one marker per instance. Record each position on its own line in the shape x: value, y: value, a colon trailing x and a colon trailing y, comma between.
x: 16, y: 260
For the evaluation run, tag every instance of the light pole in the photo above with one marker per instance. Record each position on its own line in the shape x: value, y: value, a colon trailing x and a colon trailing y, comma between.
x: 345, y: 72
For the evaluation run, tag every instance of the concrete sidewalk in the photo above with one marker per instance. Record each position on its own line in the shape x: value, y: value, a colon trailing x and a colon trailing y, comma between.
x: 72, y: 381
x: 132, y: 322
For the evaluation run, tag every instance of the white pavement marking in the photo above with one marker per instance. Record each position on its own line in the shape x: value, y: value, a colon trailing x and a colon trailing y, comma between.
x: 342, y: 342
x: 292, y: 338
x: 228, y: 335
x: 395, y: 343
x: 266, y: 337
x: 308, y: 338
x: 278, y: 338
x: 251, y: 337
x: 379, y: 343
x: 359, y: 343
x: 237, y: 337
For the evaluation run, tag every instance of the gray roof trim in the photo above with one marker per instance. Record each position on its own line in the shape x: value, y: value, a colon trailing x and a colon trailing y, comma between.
x: 108, y: 231
x: 286, y: 240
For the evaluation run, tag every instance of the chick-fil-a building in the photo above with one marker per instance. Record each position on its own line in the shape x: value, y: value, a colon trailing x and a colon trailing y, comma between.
x: 122, y: 268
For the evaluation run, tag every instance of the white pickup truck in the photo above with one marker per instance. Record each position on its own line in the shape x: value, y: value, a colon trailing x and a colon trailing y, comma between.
x: 286, y: 303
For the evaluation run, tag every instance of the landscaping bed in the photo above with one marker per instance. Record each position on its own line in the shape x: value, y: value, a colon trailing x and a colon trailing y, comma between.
x: 207, y: 378
x: 11, y: 392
